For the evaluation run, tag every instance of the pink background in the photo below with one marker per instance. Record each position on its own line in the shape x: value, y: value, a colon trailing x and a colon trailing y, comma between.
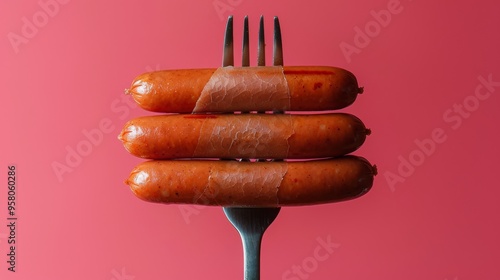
x: 433, y: 212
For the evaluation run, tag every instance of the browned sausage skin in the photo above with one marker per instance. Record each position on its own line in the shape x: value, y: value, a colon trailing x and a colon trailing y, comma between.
x: 268, y: 136
x: 226, y: 183
x: 262, y: 88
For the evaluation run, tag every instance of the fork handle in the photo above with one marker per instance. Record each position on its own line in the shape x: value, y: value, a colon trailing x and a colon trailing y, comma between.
x: 251, y: 255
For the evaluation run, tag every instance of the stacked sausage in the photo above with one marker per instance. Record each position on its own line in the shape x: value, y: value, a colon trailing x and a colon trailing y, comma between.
x: 234, y: 137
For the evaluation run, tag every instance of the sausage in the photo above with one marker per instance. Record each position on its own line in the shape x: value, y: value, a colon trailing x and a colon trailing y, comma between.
x: 265, y: 136
x: 261, y: 88
x: 266, y: 184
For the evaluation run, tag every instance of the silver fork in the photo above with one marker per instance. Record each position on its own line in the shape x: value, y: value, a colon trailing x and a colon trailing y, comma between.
x: 251, y: 222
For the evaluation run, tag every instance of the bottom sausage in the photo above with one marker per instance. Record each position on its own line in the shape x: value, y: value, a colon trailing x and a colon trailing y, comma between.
x: 234, y: 183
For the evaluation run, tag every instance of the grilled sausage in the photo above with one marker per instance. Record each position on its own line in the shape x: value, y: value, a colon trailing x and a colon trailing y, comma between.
x: 262, y: 88
x: 268, y: 136
x: 226, y: 183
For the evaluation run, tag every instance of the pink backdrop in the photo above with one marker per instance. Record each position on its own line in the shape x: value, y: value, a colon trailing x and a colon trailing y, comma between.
x: 432, y: 79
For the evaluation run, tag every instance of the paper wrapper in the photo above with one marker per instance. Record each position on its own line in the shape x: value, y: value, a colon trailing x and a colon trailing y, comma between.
x: 236, y: 87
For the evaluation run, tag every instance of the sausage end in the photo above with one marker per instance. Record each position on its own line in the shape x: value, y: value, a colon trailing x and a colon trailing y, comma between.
x: 374, y: 170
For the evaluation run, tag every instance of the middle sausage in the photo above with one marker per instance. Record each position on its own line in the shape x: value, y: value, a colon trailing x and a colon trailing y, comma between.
x: 257, y: 136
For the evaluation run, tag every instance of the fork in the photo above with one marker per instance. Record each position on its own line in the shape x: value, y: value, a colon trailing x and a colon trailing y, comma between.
x: 251, y: 222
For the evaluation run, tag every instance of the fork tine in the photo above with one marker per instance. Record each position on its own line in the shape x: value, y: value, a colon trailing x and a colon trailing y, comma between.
x: 245, y: 52
x: 261, y: 49
x: 228, y: 54
x: 278, y: 47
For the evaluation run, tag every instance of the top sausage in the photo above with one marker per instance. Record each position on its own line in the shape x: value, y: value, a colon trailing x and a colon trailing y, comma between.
x: 261, y: 88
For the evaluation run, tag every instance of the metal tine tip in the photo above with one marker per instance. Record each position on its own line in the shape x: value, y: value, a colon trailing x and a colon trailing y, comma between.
x: 245, y: 60
x: 261, y: 48
x: 278, y: 46
x: 227, y: 52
